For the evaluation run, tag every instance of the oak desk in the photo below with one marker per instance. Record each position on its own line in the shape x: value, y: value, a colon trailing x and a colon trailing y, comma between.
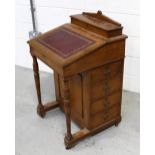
x: 87, y: 56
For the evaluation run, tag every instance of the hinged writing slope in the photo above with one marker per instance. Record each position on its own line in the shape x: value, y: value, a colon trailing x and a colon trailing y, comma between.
x: 65, y: 45
x: 87, y: 56
x: 65, y: 42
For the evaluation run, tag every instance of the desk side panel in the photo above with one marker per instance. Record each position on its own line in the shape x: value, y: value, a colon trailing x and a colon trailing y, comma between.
x: 76, y: 98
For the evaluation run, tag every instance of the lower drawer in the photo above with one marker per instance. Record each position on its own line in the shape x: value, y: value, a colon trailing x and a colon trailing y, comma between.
x: 112, y: 100
x: 102, y: 117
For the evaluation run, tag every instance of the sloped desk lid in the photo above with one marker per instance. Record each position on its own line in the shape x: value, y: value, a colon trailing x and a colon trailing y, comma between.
x: 65, y: 42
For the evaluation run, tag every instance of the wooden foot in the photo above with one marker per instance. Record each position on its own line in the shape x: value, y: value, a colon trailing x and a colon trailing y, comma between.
x: 117, y: 123
x: 42, y: 109
x: 68, y: 143
x: 85, y: 133
x: 76, y: 138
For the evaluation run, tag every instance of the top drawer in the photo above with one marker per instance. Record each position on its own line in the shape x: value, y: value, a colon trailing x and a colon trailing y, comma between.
x: 106, y: 71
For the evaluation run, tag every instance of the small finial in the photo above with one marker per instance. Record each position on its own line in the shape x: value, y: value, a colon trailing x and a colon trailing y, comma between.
x: 99, y: 12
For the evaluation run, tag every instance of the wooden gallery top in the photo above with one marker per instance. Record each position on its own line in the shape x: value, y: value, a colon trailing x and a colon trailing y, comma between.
x: 87, y: 56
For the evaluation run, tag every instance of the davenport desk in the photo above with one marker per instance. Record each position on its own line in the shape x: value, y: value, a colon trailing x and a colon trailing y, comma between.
x: 87, y: 56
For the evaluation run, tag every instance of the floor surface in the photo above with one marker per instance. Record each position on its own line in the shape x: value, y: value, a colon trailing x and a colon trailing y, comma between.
x: 36, y: 136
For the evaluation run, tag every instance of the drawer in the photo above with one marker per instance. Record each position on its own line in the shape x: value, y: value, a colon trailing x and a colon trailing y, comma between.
x: 106, y: 80
x: 102, y: 117
x: 105, y: 87
x: 110, y: 101
x: 108, y: 70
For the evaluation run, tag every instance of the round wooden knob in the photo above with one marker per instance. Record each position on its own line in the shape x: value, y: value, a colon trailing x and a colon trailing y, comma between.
x: 99, y: 12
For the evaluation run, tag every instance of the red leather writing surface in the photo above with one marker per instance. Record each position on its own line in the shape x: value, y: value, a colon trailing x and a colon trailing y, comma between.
x: 65, y: 42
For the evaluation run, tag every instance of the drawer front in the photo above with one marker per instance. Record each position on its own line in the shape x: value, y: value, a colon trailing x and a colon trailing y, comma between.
x: 106, y: 93
x: 106, y: 80
x: 104, y: 117
x: 108, y: 70
x: 103, y: 88
x: 106, y: 103
x: 105, y: 109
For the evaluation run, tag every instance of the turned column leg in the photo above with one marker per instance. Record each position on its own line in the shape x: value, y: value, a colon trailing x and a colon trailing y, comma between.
x: 40, y: 107
x: 67, y: 107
